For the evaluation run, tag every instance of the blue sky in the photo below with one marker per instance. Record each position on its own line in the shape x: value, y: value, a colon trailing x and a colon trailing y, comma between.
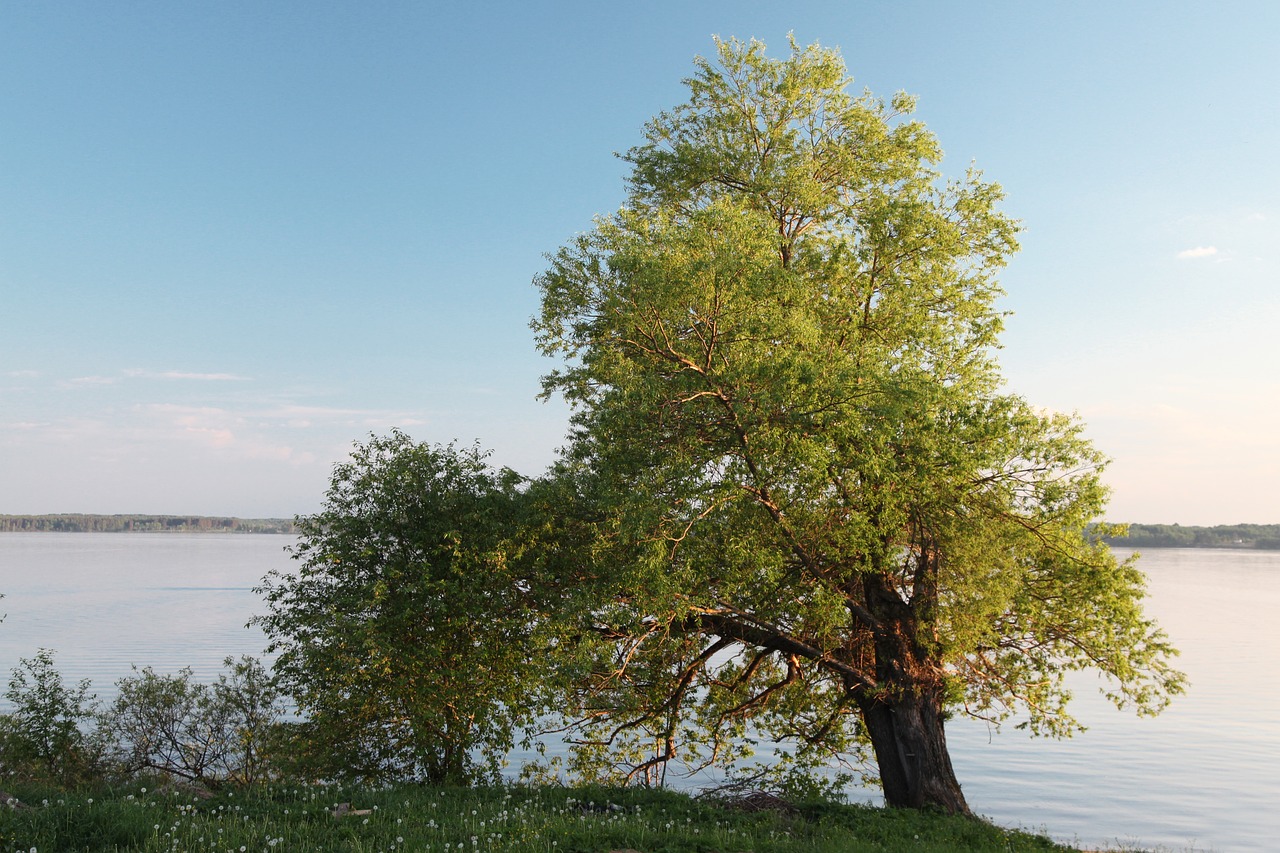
x: 237, y: 236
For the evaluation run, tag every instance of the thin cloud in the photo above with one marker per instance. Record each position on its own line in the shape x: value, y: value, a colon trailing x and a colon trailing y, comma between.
x: 1197, y: 252
x: 182, y: 375
x: 296, y: 411
x: 94, y: 380
x: 223, y: 430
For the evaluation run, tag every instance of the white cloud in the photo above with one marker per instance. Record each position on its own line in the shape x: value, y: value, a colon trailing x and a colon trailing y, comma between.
x: 1197, y: 252
x: 308, y: 412
x: 23, y: 425
x: 162, y: 375
x: 93, y: 380
x: 178, y: 374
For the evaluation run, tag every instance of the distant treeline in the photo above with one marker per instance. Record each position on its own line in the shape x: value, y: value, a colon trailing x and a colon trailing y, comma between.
x: 1262, y: 536
x: 76, y: 523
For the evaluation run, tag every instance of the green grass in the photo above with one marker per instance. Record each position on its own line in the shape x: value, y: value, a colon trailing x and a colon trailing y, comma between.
x: 410, y: 818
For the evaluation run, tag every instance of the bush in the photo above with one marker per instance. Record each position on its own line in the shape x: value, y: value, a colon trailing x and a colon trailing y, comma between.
x: 48, y: 735
x: 199, y: 732
x: 412, y: 635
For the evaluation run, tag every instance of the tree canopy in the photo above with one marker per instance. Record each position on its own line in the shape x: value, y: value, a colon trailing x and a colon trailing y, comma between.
x: 795, y: 508
x: 825, y: 519
x: 405, y: 636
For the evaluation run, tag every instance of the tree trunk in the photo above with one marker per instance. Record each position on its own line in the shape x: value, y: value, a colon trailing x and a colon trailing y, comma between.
x: 904, y: 713
x: 911, y: 751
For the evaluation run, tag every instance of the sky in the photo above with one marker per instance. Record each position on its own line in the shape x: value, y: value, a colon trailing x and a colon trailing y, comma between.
x: 236, y: 237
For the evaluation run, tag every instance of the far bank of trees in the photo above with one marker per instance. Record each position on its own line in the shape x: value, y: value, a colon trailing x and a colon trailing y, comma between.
x: 1259, y: 536
x: 87, y: 523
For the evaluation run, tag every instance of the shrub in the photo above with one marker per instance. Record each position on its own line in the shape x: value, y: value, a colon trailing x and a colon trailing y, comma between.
x: 48, y: 734
x: 200, y: 732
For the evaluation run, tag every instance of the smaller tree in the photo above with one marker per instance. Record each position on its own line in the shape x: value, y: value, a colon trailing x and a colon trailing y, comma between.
x: 204, y: 733
x: 407, y: 634
x: 48, y: 733
x: 249, y: 694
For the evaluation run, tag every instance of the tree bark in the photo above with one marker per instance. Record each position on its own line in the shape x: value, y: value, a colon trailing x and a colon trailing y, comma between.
x: 905, y: 714
x: 910, y: 743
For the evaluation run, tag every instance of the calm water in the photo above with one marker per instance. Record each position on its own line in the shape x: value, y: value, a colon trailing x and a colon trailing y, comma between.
x: 104, y: 601
x: 1204, y: 776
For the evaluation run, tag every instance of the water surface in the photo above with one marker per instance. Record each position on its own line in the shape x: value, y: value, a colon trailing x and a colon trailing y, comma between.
x: 104, y: 601
x: 1205, y: 775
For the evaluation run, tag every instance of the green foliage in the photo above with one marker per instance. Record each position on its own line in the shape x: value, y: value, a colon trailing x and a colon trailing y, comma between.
x: 796, y: 511
x: 408, y: 636
x: 208, y: 733
x: 819, y: 521
x: 158, y: 724
x: 48, y: 734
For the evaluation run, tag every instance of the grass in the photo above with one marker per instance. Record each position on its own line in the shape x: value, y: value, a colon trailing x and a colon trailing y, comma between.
x: 139, y: 817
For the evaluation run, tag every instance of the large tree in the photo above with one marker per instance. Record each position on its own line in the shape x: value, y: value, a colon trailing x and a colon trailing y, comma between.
x: 819, y: 519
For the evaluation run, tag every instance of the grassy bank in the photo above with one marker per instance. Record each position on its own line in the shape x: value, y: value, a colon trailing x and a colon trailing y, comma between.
x: 407, y: 818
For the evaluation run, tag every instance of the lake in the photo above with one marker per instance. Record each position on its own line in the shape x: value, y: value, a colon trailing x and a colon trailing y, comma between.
x: 1205, y: 775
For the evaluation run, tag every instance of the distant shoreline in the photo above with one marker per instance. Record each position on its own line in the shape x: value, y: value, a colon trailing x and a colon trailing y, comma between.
x: 1258, y: 537
x: 1261, y: 537
x: 91, y: 523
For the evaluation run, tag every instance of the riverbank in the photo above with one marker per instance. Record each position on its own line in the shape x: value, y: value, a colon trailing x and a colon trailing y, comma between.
x: 88, y: 523
x: 153, y: 817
